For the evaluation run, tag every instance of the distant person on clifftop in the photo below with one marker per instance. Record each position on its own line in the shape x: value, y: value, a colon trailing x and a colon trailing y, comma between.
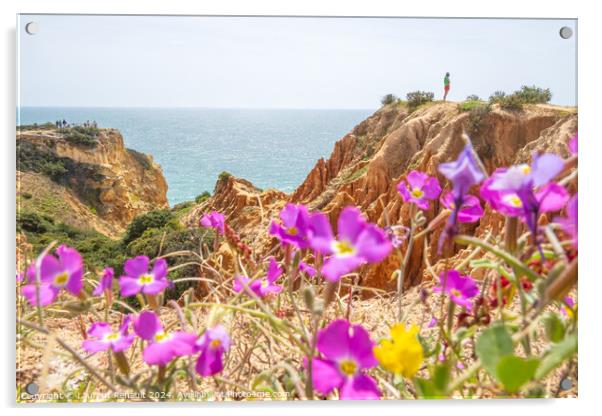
x: 446, y: 85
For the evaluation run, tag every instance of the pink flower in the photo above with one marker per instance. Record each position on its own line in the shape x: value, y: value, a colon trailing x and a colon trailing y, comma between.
x: 358, y: 242
x: 106, y: 282
x: 55, y: 274
x: 573, y: 145
x: 294, y: 226
x: 307, y: 269
x: 213, y: 344
x: 570, y: 222
x: 346, y: 350
x: 469, y: 211
x: 460, y: 289
x: 264, y: 286
x: 138, y: 278
x: 103, y: 337
x: 162, y: 346
x: 213, y: 220
x: 419, y: 189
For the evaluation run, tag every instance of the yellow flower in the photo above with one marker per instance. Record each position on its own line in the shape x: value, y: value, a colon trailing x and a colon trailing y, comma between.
x: 402, y: 354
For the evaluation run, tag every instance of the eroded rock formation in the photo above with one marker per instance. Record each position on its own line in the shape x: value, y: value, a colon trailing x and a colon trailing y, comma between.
x: 101, y: 186
x: 366, y: 165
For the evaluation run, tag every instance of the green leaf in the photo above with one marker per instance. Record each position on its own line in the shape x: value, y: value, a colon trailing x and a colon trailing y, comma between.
x: 512, y: 261
x: 441, y: 377
x: 557, y: 355
x: 554, y: 327
x: 425, y: 388
x: 513, y: 372
x: 494, y: 343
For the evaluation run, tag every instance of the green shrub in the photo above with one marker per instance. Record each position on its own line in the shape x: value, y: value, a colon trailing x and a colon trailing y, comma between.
x: 470, y: 105
x: 85, y: 136
x: 32, y: 222
x: 473, y: 97
x: 534, y: 95
x: 512, y: 102
x: 223, y: 176
x: 388, y: 99
x: 417, y: 98
x: 153, y: 219
x: 497, y: 97
x: 477, y: 117
x: 202, y: 197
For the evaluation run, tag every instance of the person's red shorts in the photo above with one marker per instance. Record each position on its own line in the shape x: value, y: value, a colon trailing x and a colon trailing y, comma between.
x: 446, y: 88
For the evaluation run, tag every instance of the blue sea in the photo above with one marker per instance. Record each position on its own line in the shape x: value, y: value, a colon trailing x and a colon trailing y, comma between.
x: 271, y: 148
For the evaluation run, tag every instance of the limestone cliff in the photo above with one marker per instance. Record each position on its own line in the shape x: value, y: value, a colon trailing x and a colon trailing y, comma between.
x: 366, y: 165
x: 100, y: 185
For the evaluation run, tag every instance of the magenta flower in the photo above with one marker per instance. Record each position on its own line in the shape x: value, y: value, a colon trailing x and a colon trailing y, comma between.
x: 527, y: 191
x: 55, y: 274
x: 398, y: 234
x: 469, y: 211
x: 106, y: 282
x: 346, y: 350
x: 294, y: 226
x: 213, y: 220
x: 103, y: 337
x: 460, y: 289
x: 570, y: 222
x: 213, y: 344
x: 138, y: 278
x: 358, y: 242
x: 263, y: 286
x: 162, y: 346
x: 419, y: 189
x: 573, y: 145
x: 307, y: 269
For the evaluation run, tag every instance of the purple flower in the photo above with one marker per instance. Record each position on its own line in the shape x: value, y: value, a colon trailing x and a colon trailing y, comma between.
x: 138, y: 278
x: 214, y: 343
x: 358, y: 242
x: 264, y: 286
x: 463, y: 172
x: 346, y: 351
x: 526, y: 190
x: 459, y: 288
x: 397, y: 234
x: 469, y: 211
x: 307, y: 269
x: 103, y: 337
x: 55, y: 274
x: 294, y: 226
x: 421, y: 189
x: 570, y: 222
x: 106, y: 282
x: 573, y: 145
x: 162, y: 346
x: 213, y: 220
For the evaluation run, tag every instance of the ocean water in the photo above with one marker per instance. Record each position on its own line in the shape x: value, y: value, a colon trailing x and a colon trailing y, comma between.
x: 271, y: 148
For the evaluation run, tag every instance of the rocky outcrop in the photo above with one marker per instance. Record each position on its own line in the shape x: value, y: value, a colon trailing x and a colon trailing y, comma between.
x: 366, y: 165
x: 102, y: 186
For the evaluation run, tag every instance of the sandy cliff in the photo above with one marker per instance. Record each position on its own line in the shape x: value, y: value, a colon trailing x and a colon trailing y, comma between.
x: 366, y: 165
x: 101, y: 186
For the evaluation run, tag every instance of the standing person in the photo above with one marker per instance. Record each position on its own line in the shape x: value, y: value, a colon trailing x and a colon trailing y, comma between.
x: 446, y: 85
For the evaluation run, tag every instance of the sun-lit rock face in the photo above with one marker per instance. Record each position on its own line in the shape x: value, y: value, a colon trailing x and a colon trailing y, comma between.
x: 102, y: 187
x: 366, y: 165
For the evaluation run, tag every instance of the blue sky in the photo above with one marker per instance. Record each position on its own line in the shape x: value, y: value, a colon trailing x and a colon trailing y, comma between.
x: 241, y: 62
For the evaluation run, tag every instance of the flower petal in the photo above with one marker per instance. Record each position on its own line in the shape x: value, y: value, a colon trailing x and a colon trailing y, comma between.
x: 360, y: 387
x: 325, y: 375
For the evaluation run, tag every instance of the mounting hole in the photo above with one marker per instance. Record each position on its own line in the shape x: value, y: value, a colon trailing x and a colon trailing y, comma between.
x: 566, y: 32
x: 31, y: 28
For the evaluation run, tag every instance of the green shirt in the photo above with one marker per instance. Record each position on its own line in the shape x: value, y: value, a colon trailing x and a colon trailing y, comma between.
x: 446, y: 80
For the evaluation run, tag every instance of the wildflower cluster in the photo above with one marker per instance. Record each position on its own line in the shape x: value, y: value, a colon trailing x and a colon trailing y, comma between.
x: 299, y: 297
